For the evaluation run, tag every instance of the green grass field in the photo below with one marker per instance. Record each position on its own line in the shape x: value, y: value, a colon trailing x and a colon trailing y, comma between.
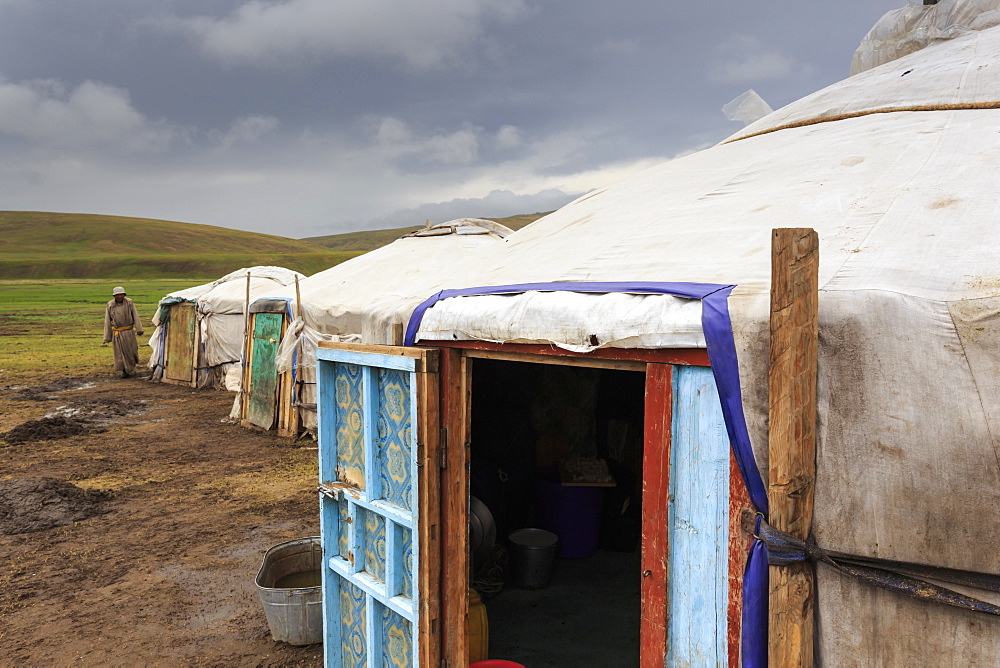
x: 54, y: 328
x: 64, y: 245
x: 35, y: 244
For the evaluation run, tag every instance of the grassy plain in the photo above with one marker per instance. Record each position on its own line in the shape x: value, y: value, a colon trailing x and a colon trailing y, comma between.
x: 54, y: 327
x: 63, y: 245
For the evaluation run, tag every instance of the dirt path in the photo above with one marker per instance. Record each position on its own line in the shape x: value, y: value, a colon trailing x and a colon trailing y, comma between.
x: 163, y: 573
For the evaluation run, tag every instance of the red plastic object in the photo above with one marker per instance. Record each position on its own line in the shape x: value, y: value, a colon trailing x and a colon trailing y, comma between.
x: 496, y: 663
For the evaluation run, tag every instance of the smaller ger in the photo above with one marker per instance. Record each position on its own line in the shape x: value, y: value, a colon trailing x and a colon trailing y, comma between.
x: 121, y: 326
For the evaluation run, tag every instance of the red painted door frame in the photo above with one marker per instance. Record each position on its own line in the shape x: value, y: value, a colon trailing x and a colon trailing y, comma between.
x: 654, y: 587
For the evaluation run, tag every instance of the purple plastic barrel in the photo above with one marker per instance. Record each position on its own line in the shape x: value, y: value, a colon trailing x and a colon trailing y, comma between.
x: 571, y: 513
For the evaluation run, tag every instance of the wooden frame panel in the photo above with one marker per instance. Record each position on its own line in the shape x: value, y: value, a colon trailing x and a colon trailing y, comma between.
x: 366, y: 499
x: 187, y: 346
x: 658, y: 416
x: 601, y: 356
x: 456, y: 367
x: 698, y: 599
x: 740, y: 539
x: 456, y: 423
x: 429, y: 483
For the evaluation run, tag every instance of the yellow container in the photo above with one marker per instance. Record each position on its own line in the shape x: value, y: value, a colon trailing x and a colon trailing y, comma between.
x: 479, y: 629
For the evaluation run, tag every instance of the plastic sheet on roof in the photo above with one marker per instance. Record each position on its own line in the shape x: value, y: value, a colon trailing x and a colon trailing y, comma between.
x: 960, y: 73
x: 903, y: 31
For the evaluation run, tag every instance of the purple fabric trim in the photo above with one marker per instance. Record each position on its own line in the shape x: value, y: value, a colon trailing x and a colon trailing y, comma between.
x: 718, y: 331
x: 755, y: 598
x: 721, y: 346
x: 688, y: 290
x: 718, y: 337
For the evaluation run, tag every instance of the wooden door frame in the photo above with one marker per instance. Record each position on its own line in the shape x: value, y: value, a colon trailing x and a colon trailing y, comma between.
x: 282, y: 382
x: 456, y: 398
x: 195, y: 343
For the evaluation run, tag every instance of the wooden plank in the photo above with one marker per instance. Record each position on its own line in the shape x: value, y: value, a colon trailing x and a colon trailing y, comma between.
x: 683, y: 356
x: 244, y: 381
x: 180, y: 362
x: 285, y: 394
x: 589, y: 362
x: 658, y: 416
x: 398, y: 351
x: 290, y: 408
x: 698, y: 525
x: 429, y: 513
x: 455, y: 403
x: 287, y: 413
x: 792, y: 436
x: 263, y: 377
x: 396, y: 362
x: 247, y: 345
x: 740, y: 539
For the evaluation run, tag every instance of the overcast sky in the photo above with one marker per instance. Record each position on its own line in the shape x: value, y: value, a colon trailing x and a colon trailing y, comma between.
x: 310, y: 117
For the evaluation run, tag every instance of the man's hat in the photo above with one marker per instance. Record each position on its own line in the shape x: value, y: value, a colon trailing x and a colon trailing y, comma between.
x: 118, y: 291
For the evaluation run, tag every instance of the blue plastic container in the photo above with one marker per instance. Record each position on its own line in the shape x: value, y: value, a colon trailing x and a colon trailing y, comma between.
x: 571, y: 513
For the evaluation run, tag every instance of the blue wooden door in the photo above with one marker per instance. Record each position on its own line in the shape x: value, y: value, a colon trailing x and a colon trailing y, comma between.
x: 378, y: 462
x: 698, y: 523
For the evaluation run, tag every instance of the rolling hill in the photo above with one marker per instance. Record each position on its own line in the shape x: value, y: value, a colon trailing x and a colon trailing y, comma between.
x: 65, y: 245
x: 372, y: 239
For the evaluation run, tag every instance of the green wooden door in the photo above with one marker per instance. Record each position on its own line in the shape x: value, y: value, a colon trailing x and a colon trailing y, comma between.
x: 263, y: 394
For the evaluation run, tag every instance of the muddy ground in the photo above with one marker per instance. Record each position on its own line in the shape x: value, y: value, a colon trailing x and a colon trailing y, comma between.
x: 133, y: 520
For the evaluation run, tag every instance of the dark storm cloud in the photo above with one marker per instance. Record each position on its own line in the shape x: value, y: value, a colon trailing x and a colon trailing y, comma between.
x: 302, y: 116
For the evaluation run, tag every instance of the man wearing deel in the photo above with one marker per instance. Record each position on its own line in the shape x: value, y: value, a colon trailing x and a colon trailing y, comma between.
x: 121, y: 326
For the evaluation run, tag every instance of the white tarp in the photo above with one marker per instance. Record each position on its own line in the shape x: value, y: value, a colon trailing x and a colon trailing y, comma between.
x: 221, y: 312
x: 908, y: 219
x: 369, y: 297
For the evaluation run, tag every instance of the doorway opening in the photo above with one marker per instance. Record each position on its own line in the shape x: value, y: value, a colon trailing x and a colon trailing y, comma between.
x: 558, y: 448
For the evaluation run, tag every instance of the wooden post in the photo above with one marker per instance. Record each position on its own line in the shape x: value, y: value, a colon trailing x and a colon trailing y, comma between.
x: 293, y: 413
x: 792, y: 436
x: 247, y: 352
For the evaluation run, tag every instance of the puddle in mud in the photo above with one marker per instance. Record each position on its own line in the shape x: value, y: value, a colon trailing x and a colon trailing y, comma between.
x: 44, y: 392
x: 28, y: 505
x: 87, y: 417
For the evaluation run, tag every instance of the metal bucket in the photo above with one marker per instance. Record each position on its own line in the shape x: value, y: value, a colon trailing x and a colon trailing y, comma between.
x: 294, y: 613
x: 533, y: 551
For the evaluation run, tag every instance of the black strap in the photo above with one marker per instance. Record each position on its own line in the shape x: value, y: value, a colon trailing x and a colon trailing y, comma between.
x: 899, y: 576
